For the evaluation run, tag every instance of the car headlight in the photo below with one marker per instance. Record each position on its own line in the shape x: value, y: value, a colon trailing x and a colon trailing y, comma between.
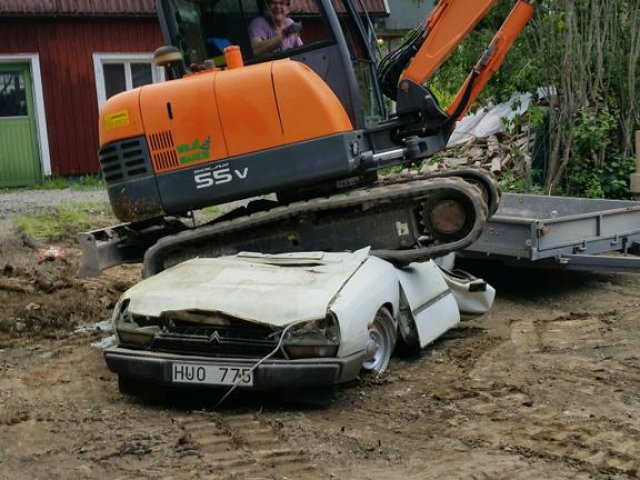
x: 316, y: 338
x: 134, y: 329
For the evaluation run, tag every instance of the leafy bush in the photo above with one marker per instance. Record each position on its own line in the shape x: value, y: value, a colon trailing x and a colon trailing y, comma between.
x: 588, y: 53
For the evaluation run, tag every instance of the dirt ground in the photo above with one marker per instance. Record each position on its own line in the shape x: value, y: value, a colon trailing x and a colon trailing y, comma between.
x: 545, y: 386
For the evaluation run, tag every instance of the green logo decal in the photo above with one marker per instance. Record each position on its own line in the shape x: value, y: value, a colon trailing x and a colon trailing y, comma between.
x: 195, y: 151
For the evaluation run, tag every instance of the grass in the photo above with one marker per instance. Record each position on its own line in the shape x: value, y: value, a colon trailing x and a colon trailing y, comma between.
x: 82, y: 183
x: 206, y: 214
x: 79, y: 184
x: 65, y: 221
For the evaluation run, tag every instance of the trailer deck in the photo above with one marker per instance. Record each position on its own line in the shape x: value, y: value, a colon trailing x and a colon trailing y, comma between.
x: 562, y: 232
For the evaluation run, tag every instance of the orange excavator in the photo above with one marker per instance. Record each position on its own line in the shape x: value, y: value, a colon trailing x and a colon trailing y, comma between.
x: 308, y: 123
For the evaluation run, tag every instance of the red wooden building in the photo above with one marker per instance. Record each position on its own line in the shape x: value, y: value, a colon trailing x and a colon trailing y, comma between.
x: 59, y: 61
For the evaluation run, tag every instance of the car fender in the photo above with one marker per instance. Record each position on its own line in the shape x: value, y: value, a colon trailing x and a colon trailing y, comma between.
x: 372, y: 286
x: 430, y: 303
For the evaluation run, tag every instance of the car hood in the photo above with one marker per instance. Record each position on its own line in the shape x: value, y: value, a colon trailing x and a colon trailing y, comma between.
x: 270, y: 289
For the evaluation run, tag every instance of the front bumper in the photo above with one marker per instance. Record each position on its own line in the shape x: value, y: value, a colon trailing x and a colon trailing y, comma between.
x: 155, y: 367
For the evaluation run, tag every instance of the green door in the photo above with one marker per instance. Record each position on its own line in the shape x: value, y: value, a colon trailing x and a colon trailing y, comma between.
x: 19, y: 155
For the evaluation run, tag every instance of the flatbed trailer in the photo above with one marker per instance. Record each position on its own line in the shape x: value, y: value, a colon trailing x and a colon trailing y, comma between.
x: 562, y: 232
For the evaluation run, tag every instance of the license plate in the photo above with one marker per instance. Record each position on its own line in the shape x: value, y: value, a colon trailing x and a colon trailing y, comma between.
x: 211, y: 374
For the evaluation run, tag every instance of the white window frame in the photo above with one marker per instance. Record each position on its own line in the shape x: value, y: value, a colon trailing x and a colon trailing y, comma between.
x: 33, y: 59
x: 100, y: 59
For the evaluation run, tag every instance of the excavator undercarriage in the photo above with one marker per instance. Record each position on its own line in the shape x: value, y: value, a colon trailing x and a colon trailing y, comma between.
x: 403, y: 218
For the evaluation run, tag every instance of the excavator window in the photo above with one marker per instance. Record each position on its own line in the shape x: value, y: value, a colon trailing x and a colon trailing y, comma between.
x: 202, y: 29
x: 357, y: 28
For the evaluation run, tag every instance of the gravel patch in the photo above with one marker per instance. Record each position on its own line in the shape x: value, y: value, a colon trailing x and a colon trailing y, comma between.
x: 26, y: 201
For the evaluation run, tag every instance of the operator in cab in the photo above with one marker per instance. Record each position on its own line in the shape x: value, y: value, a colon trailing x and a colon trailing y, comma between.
x: 274, y: 31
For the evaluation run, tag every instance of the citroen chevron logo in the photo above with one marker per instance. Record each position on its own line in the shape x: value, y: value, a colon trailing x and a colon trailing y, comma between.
x: 214, y: 338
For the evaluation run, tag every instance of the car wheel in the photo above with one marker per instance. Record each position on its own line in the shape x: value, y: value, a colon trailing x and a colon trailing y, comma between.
x: 381, y: 343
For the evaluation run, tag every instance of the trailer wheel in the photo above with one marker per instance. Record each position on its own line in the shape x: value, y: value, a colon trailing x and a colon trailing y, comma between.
x: 382, y: 341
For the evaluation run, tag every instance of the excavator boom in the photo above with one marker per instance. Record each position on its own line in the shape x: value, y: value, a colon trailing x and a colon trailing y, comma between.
x: 448, y: 25
x: 492, y: 58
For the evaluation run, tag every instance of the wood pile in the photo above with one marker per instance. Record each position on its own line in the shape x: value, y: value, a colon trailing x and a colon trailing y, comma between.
x: 497, y: 153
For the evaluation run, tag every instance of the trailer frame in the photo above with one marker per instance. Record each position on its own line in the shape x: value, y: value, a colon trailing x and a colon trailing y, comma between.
x: 562, y: 232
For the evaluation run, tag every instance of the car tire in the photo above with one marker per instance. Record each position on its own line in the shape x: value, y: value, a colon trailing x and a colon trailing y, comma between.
x: 382, y: 342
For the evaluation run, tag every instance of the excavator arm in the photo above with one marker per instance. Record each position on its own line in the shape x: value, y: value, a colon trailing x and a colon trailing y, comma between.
x: 491, y: 59
x: 447, y: 26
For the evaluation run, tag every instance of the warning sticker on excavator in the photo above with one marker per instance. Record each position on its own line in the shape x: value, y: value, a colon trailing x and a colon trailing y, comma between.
x: 117, y: 119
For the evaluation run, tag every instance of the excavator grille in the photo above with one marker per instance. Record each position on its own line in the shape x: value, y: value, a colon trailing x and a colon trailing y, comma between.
x: 124, y: 160
x: 163, y: 151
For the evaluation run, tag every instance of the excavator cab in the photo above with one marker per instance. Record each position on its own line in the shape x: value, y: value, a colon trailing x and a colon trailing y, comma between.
x: 338, y: 44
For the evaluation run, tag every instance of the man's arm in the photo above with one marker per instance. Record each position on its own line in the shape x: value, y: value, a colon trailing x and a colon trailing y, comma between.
x: 262, y: 47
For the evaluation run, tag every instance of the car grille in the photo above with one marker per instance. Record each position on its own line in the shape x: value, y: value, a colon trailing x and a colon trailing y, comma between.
x: 242, y: 340
x: 124, y: 160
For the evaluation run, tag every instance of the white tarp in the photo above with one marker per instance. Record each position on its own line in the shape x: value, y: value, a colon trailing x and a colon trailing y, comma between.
x: 489, y: 121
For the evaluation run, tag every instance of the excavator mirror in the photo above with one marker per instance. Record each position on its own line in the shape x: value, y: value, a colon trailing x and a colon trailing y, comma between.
x: 171, y: 59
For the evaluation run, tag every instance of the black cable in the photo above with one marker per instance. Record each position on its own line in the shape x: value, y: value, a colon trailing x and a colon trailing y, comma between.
x: 465, y: 99
x: 259, y: 362
x: 394, y: 63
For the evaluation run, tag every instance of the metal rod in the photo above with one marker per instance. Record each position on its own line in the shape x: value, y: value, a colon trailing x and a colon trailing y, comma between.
x: 389, y: 155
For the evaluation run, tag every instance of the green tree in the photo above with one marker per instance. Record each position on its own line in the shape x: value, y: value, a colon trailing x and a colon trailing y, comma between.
x: 586, y: 54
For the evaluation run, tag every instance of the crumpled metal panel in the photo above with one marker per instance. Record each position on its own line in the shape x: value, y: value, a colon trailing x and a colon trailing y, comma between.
x: 271, y: 289
x: 77, y: 7
x: 433, y: 305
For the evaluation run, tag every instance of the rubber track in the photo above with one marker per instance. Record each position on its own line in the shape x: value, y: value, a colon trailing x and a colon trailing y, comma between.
x: 490, y: 186
x: 383, y: 193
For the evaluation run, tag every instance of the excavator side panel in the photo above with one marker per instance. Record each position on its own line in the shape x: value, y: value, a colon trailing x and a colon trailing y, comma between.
x: 120, y: 118
x: 181, y: 123
x: 308, y: 107
x: 248, y: 109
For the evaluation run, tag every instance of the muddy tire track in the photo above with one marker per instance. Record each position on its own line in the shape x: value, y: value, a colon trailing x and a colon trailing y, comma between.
x: 244, y: 446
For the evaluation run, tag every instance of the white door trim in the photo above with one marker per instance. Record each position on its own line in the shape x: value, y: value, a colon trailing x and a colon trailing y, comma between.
x: 38, y: 99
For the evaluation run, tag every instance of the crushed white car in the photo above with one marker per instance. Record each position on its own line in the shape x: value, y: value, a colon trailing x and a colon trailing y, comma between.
x: 280, y: 321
